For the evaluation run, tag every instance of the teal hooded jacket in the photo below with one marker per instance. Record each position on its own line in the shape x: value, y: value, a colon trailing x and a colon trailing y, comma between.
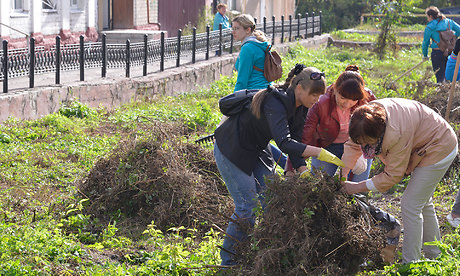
x: 252, y: 54
x: 431, y: 32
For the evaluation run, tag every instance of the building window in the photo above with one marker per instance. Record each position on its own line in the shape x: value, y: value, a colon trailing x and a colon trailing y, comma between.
x: 49, y: 4
x: 19, y: 6
x: 74, y: 4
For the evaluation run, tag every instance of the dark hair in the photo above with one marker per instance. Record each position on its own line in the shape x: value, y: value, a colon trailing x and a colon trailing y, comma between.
x: 350, y: 84
x: 298, y: 75
x: 435, y: 13
x: 368, y: 120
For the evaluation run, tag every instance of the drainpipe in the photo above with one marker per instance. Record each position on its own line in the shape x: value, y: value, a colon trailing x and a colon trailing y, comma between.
x: 148, y: 12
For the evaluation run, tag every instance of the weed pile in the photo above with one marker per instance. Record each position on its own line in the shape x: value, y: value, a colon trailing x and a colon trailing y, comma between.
x: 311, y: 227
x: 159, y: 178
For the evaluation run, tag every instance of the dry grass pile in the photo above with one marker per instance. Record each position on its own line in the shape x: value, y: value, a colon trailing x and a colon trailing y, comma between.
x: 311, y: 227
x: 158, y: 178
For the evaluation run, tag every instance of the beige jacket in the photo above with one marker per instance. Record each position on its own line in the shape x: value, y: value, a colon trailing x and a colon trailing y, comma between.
x: 415, y: 136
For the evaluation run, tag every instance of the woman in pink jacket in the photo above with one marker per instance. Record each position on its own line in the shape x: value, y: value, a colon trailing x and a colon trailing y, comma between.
x: 410, y: 139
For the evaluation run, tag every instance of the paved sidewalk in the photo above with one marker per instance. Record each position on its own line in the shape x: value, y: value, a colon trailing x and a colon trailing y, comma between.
x: 95, y: 74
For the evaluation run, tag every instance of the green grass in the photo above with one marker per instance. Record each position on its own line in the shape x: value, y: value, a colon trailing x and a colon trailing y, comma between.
x: 43, y: 230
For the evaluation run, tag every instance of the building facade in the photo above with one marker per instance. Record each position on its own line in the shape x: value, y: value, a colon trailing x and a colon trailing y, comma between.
x: 263, y: 8
x: 45, y: 19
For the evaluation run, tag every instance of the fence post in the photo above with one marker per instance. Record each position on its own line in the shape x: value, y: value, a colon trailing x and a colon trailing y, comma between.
x: 104, y: 55
x: 220, y: 39
x: 320, y: 22
x: 193, y: 44
x: 265, y: 24
x: 313, y: 29
x: 207, y: 42
x: 273, y: 30
x: 58, y: 60
x: 290, y: 28
x: 82, y: 58
x: 5, y: 66
x: 179, y: 34
x: 298, y: 25
x: 32, y: 63
x: 306, y: 25
x: 231, y: 43
x: 145, y: 55
x: 282, y: 29
x: 128, y: 57
x: 162, y: 52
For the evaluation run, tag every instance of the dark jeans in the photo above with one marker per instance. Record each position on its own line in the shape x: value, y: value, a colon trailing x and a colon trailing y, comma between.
x: 439, y: 61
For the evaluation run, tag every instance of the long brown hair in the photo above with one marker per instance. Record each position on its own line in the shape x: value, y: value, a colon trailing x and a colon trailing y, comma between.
x: 350, y: 84
x: 435, y: 13
x: 298, y: 75
x: 368, y: 120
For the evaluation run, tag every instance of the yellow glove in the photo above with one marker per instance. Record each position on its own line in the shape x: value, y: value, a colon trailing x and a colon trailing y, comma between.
x: 305, y: 174
x: 326, y: 156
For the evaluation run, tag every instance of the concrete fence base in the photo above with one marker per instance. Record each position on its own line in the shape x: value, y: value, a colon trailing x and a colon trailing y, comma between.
x: 110, y: 93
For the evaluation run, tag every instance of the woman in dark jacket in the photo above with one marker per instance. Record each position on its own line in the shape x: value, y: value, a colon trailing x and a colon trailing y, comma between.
x: 278, y: 114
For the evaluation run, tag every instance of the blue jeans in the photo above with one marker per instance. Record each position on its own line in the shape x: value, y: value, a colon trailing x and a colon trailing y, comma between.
x: 439, y: 61
x: 246, y: 191
x: 330, y: 169
x: 280, y: 158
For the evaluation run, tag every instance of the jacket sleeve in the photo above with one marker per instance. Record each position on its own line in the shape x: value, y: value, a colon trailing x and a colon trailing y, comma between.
x: 245, y: 64
x: 351, y: 153
x: 277, y: 119
x: 426, y: 41
x: 310, y: 125
x: 450, y: 67
x: 455, y: 27
x: 396, y: 162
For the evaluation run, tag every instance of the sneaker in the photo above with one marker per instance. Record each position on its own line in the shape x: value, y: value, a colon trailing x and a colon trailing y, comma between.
x: 455, y: 222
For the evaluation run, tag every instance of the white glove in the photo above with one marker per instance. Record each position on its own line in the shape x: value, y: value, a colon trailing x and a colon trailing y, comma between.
x: 360, y: 166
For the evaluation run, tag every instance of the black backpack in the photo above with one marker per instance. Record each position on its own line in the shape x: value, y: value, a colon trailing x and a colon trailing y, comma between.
x: 236, y: 102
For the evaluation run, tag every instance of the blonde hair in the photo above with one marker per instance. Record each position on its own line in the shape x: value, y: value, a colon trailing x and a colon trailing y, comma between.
x: 298, y: 75
x: 221, y: 5
x: 247, y: 21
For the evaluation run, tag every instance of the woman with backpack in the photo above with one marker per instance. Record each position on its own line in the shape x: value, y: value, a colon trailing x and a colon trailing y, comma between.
x: 327, y: 121
x: 275, y: 113
x: 437, y: 22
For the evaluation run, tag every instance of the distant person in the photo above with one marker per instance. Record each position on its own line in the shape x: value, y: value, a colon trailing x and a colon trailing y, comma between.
x: 450, y: 67
x: 221, y: 18
x: 410, y: 139
x: 437, y: 22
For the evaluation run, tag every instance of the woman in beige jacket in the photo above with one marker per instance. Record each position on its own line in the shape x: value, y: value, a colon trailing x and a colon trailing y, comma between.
x: 410, y: 139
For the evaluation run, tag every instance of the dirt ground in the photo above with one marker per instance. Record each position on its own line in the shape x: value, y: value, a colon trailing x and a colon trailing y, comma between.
x: 308, y: 227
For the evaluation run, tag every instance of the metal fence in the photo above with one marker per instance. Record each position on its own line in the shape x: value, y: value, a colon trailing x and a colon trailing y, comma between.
x: 37, y: 60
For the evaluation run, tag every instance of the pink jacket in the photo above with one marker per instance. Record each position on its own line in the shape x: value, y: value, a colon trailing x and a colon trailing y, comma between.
x: 415, y: 136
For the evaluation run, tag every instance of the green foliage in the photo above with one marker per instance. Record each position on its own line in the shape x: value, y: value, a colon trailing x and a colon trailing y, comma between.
x: 76, y: 109
x: 337, y: 14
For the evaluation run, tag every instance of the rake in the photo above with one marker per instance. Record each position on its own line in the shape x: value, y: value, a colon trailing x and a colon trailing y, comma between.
x: 206, y: 139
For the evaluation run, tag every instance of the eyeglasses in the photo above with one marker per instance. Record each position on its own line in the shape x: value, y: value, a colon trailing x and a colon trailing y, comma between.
x: 317, y: 75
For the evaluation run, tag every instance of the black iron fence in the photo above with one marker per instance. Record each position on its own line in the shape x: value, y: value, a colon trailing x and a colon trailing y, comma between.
x: 38, y: 60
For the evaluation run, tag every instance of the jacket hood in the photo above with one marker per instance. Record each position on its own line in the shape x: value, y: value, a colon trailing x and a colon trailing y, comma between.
x: 253, y: 40
x: 440, y: 25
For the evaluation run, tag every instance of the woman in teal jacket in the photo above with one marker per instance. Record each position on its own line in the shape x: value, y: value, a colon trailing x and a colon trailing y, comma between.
x: 437, y: 22
x: 252, y: 54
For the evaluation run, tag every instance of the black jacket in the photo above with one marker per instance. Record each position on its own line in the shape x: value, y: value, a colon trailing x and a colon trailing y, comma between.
x: 241, y: 138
